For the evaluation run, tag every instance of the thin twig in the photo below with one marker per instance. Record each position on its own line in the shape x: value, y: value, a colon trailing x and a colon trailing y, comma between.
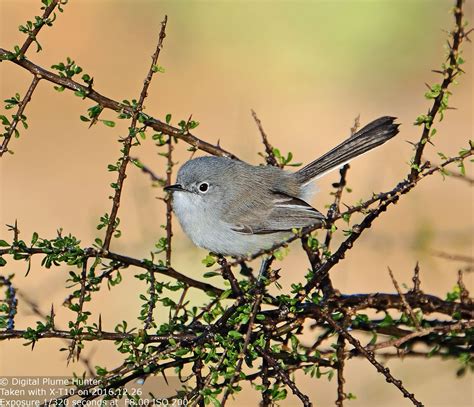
x: 369, y: 355
x: 37, y: 311
x: 74, y: 349
x: 180, y: 302
x: 284, y: 376
x: 32, y: 37
x: 464, y: 293
x: 408, y: 309
x: 235, y: 377
x: 334, y: 209
x: 206, y: 381
x: 127, y: 144
x: 416, y: 279
x: 340, y: 354
x: 260, y: 288
x: 16, y: 118
x: 270, y: 157
x: 450, y: 73
x: 149, y: 321
x: 197, y: 370
x: 168, y: 200
x: 451, y: 256
x: 149, y: 171
x: 397, y: 342
x: 461, y: 177
x: 266, y: 400
x: 229, y: 276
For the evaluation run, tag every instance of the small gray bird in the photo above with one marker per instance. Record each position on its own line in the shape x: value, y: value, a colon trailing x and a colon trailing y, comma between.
x: 232, y: 208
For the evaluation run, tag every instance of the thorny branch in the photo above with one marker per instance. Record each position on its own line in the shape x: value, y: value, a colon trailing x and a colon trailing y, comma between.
x: 341, y: 343
x: 19, y: 115
x: 108, y: 103
x: 32, y: 37
x: 369, y: 356
x: 408, y: 309
x: 36, y: 78
x: 74, y: 349
x: 127, y: 143
x: 284, y: 377
x: 450, y: 73
x: 334, y: 209
x: 270, y: 157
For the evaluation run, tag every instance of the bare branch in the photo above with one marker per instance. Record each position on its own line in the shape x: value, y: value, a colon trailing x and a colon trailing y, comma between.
x: 408, y: 309
x: 270, y: 157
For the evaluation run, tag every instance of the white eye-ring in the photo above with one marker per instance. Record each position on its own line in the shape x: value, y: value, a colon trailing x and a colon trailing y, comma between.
x: 203, y: 187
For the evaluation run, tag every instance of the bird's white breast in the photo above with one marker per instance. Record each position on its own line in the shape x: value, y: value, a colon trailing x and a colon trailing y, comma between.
x: 207, y: 230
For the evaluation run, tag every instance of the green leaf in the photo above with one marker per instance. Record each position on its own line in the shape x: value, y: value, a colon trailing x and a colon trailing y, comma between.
x: 3, y: 243
x: 423, y: 119
x: 158, y: 68
x: 225, y: 294
x: 209, y: 260
x: 108, y: 123
x: 235, y: 334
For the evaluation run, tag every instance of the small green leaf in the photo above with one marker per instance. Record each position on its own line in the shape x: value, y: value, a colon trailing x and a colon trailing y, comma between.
x: 158, y: 68
x: 235, y: 334
x: 209, y: 260
x: 108, y: 123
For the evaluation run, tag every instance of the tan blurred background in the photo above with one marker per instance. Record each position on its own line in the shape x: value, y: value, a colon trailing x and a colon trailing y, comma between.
x: 307, y: 68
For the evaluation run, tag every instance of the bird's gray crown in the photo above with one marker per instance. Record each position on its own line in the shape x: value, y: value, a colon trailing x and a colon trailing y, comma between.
x: 211, y: 169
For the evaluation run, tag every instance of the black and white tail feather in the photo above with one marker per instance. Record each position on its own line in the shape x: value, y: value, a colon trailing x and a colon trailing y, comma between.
x: 373, y: 135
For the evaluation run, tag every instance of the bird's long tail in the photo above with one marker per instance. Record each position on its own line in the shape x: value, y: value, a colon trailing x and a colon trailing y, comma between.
x: 373, y: 135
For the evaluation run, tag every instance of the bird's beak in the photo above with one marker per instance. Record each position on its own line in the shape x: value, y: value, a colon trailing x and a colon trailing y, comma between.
x: 175, y: 187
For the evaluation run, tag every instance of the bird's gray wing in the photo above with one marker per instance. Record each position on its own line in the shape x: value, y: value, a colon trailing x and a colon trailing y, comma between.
x: 283, y: 214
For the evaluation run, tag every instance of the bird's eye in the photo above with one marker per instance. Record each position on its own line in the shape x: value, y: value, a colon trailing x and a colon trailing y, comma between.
x: 203, y: 187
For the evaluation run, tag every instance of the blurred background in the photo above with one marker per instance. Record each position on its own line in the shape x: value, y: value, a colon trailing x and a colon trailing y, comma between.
x: 308, y: 68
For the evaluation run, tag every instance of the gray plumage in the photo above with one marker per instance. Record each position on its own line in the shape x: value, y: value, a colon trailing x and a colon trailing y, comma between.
x: 232, y: 208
